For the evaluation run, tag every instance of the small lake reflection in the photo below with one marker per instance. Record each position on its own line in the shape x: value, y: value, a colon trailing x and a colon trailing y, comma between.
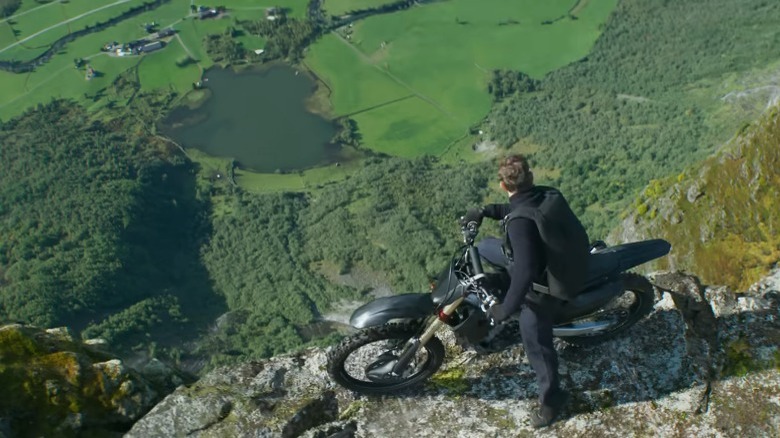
x: 259, y: 118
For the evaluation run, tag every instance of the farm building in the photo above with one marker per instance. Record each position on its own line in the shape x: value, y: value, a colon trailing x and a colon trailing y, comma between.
x: 151, y: 47
x: 206, y: 12
x: 165, y: 32
x: 161, y: 34
x: 273, y: 13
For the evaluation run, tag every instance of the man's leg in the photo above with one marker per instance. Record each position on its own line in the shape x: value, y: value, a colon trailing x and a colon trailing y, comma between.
x: 536, y: 330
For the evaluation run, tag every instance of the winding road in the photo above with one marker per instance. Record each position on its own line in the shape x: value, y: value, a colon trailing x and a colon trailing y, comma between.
x: 62, y: 23
x: 3, y: 20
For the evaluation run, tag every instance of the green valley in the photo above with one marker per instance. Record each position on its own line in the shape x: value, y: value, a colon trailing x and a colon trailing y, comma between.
x: 112, y: 227
x: 415, y: 80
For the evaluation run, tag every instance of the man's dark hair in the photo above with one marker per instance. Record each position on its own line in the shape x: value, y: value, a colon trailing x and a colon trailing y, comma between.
x: 514, y: 172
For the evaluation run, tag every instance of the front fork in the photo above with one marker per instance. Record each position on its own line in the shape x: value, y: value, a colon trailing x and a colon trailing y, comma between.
x: 413, y: 345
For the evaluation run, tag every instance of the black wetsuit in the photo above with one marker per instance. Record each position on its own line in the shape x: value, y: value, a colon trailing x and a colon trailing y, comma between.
x: 536, y: 310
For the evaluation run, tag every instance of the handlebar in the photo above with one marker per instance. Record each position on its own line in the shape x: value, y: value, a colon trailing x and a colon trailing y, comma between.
x: 469, y: 231
x: 487, y: 300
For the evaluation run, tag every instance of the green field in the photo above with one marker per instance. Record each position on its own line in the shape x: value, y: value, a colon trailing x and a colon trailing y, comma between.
x: 341, y: 7
x: 37, y: 30
x: 59, y: 79
x: 442, y: 54
x: 240, y: 8
x: 386, y: 72
x: 159, y: 70
x: 307, y: 180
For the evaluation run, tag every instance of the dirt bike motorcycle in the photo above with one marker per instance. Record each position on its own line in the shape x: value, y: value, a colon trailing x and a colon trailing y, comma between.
x: 396, y: 347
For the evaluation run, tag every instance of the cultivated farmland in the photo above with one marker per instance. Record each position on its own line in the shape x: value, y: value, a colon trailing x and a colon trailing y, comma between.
x: 34, y: 27
x: 415, y: 80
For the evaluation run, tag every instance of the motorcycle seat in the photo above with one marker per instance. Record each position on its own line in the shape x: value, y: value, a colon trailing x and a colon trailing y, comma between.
x: 615, y: 259
x: 603, y: 263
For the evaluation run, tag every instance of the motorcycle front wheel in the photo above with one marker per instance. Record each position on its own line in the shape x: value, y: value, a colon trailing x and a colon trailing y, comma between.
x: 359, y: 362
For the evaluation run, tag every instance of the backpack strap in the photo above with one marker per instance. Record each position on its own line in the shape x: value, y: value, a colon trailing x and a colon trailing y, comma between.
x: 523, y: 211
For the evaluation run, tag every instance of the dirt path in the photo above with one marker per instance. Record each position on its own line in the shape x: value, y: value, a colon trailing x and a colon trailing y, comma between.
x: 189, y: 53
x: 62, y: 23
x: 578, y: 7
x: 29, y: 10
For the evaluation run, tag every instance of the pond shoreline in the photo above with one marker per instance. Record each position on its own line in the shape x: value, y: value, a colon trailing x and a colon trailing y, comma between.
x: 270, y: 118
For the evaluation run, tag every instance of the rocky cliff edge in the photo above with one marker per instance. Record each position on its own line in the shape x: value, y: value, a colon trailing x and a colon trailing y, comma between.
x: 704, y: 363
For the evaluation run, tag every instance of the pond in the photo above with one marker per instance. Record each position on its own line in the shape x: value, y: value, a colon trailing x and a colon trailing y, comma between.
x: 259, y: 118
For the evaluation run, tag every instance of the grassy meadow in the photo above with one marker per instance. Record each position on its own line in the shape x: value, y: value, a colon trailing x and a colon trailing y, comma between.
x: 58, y: 78
x: 386, y: 72
x: 441, y: 54
x: 259, y: 183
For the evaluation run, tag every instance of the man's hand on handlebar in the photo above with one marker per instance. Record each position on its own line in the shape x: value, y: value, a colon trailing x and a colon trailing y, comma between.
x: 491, y: 307
x: 472, y: 215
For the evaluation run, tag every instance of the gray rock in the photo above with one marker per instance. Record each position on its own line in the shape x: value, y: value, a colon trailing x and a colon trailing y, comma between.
x: 61, y: 387
x: 97, y: 343
x: 694, y: 192
x: 62, y: 334
x: 671, y: 375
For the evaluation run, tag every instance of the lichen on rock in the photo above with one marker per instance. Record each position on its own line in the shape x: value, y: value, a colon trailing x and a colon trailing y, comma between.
x: 55, y: 385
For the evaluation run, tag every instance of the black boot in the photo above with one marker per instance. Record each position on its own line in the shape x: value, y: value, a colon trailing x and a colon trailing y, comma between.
x: 547, y: 414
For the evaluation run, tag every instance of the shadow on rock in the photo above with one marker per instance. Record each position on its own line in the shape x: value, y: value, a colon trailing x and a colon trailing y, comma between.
x: 695, y: 337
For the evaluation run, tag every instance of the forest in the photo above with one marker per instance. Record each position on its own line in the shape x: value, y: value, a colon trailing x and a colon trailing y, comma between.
x: 108, y: 228
x: 286, y: 37
x: 108, y: 232
x: 644, y: 103
x: 98, y: 219
x: 274, y: 256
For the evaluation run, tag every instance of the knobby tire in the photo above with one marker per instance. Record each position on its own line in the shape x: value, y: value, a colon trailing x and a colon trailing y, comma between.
x: 394, y: 331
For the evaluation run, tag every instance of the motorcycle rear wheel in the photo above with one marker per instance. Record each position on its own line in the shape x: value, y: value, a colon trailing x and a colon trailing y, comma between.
x: 635, y: 288
x: 347, y: 366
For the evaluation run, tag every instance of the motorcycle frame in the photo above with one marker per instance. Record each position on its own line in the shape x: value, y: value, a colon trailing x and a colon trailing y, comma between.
x: 413, y: 345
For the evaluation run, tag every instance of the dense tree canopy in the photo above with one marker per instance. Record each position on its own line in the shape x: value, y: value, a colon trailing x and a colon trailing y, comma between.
x: 104, y: 227
x: 286, y: 37
x: 633, y: 110
x: 8, y: 7
x: 95, y: 218
x: 224, y: 47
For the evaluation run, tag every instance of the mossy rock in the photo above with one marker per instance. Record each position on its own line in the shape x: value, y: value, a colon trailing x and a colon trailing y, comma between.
x: 56, y: 386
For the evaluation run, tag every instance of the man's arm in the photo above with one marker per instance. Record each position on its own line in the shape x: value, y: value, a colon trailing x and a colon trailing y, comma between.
x: 496, y: 211
x: 527, y: 252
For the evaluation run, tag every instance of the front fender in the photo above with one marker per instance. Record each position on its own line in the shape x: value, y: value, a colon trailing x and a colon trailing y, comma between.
x: 382, y: 310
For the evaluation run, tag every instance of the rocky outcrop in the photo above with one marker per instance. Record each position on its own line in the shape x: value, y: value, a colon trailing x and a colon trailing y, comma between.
x: 722, y: 216
x: 56, y: 385
x: 704, y: 363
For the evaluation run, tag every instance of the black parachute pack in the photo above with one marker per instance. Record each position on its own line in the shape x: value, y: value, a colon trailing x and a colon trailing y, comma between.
x: 565, y: 240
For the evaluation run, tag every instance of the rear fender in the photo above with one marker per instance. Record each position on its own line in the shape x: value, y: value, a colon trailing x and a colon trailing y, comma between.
x: 383, y: 310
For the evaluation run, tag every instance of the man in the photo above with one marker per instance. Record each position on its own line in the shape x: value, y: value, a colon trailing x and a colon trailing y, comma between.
x: 528, y: 264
